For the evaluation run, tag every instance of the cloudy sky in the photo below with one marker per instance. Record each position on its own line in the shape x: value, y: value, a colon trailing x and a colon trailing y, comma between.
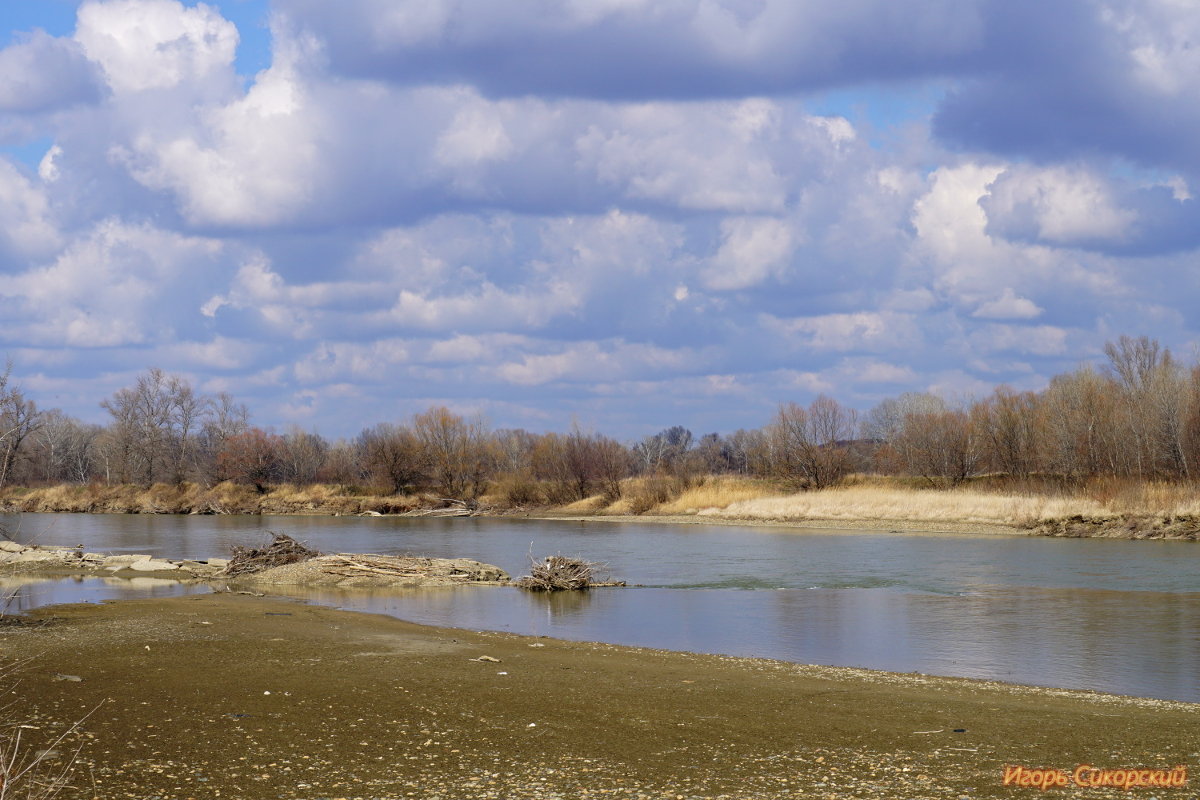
x: 633, y: 213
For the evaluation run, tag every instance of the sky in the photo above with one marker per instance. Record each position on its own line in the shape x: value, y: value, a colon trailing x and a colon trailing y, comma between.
x: 626, y: 214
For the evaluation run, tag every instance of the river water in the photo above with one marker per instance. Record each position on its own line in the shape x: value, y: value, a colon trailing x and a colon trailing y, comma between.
x: 1109, y: 615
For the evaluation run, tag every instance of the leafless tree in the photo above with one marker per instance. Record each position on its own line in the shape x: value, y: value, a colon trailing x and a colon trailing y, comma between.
x: 1011, y: 426
x: 19, y: 417
x: 807, y: 447
x: 155, y: 422
x: 394, y: 456
x: 457, y: 451
x: 302, y: 455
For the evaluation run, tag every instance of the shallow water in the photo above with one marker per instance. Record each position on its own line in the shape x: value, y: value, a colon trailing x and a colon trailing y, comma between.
x: 1110, y: 615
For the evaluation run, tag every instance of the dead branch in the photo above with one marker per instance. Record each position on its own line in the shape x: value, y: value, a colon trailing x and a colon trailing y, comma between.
x: 283, y: 550
x: 560, y: 573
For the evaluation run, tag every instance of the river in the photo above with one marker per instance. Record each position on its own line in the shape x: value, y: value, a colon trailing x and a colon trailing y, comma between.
x: 1108, y: 615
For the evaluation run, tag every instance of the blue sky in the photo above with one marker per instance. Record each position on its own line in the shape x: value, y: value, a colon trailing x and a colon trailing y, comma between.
x: 626, y: 213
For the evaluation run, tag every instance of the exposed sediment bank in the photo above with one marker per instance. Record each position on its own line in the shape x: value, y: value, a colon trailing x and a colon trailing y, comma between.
x: 235, y: 696
x: 340, y: 569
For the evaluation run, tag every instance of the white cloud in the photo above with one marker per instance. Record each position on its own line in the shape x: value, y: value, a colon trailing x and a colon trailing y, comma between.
x: 27, y: 227
x: 752, y: 250
x: 868, y: 331
x: 1062, y: 205
x: 951, y: 225
x: 487, y: 308
x: 1008, y: 306
x: 595, y: 361
x: 119, y: 284
x: 1042, y: 340
x: 155, y: 44
x: 251, y: 163
x: 40, y: 73
x: 476, y: 134
x: 709, y: 156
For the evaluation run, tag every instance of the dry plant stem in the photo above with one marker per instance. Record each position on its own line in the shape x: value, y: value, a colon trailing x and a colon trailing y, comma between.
x: 399, y: 566
x: 559, y: 573
x: 283, y: 550
x: 28, y: 776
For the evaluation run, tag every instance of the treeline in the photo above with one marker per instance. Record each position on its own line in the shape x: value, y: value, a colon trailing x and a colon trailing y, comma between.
x: 1139, y: 416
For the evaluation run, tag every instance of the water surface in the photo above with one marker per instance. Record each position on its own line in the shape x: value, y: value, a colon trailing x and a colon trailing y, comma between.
x: 1109, y: 615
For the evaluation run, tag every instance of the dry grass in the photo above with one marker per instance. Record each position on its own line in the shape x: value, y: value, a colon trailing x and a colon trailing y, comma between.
x: 916, y: 505
x: 716, y: 491
x: 588, y: 505
x: 991, y: 501
x: 192, y: 498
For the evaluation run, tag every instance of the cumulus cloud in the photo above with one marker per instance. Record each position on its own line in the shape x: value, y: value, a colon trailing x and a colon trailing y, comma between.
x: 461, y: 202
x: 155, y: 44
x: 1008, y: 306
x: 117, y: 284
x: 1090, y: 78
x: 683, y: 48
x: 752, y: 249
x: 40, y: 73
x: 27, y: 226
x: 249, y: 163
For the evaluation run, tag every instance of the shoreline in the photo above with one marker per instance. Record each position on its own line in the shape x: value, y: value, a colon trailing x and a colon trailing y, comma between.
x: 848, y: 525
x: 388, y: 707
x: 1123, y: 526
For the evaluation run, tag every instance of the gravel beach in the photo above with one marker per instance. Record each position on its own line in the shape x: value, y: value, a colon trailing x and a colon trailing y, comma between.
x: 237, y: 696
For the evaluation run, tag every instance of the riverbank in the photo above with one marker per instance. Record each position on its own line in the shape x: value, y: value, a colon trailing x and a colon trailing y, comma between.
x: 235, y: 696
x: 1129, y: 511
x: 344, y: 570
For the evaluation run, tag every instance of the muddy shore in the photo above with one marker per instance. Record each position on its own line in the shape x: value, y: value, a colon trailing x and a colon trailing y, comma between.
x: 241, y: 697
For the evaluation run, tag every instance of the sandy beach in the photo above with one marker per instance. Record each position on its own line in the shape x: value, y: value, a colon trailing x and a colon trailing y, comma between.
x: 237, y: 696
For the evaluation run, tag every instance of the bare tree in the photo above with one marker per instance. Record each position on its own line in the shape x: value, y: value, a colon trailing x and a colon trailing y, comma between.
x: 940, y: 446
x: 663, y: 451
x: 1010, y: 424
x: 251, y: 457
x: 456, y: 450
x: 807, y: 447
x: 394, y: 456
x: 19, y: 417
x: 155, y: 423
x: 302, y: 455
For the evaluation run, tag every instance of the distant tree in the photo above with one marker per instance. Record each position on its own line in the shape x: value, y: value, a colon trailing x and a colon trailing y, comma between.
x: 807, y: 447
x: 344, y: 464
x: 457, y: 451
x: 1010, y: 424
x: 252, y: 457
x: 155, y: 423
x: 580, y: 464
x: 393, y: 455
x: 302, y: 456
x: 1081, y: 435
x: 664, y: 451
x: 62, y: 449
x: 941, y: 446
x: 19, y: 417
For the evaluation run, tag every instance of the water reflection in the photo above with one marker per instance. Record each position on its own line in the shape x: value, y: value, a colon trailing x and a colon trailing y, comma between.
x: 23, y: 593
x: 1113, y: 616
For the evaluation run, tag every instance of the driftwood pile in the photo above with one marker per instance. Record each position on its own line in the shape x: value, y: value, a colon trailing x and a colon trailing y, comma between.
x: 559, y: 573
x: 353, y: 565
x: 451, y: 508
x: 283, y: 550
